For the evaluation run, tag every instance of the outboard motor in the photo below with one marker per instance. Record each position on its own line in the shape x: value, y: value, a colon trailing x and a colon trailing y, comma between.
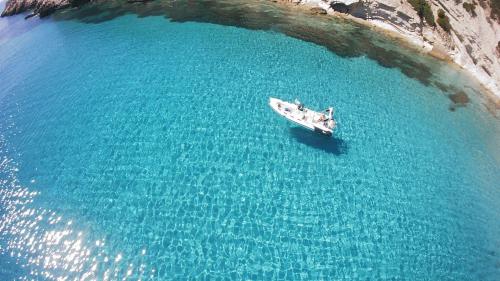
x: 330, y: 113
x: 330, y: 123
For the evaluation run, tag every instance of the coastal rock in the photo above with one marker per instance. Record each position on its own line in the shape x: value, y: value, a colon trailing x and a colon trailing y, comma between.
x: 473, y: 41
x: 340, y: 7
x: 39, y: 7
x: 138, y: 1
x: 13, y: 7
x: 318, y: 11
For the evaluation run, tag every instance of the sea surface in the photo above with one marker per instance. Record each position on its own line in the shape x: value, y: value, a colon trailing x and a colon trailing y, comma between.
x: 140, y: 146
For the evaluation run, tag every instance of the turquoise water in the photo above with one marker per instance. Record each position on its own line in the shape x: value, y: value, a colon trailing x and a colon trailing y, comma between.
x: 140, y: 148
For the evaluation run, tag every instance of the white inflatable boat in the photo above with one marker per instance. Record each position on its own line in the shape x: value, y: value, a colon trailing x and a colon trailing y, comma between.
x: 322, y: 123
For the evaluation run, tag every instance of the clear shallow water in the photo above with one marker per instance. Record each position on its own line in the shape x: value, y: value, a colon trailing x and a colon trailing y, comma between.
x: 143, y: 148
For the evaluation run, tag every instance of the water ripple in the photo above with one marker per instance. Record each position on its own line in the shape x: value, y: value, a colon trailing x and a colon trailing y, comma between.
x: 52, y: 247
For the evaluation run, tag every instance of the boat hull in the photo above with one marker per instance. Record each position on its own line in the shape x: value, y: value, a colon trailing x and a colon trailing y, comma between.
x: 323, y: 132
x: 304, y: 118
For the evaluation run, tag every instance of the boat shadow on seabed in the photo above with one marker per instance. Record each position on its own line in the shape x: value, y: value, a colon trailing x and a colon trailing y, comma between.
x: 331, y: 145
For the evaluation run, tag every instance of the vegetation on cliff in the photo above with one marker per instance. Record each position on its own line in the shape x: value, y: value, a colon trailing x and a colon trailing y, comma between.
x: 495, y: 9
x: 470, y: 8
x: 443, y: 21
x: 424, y: 11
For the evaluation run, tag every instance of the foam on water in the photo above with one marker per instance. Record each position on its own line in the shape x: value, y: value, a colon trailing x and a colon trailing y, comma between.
x: 145, y: 149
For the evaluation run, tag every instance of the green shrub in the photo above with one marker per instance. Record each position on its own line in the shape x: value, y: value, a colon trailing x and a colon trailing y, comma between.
x: 495, y: 10
x: 470, y: 8
x: 443, y: 21
x: 424, y: 11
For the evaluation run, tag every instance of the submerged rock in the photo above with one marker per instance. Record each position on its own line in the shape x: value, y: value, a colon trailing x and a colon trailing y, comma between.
x: 473, y: 41
x: 138, y: 1
x: 459, y: 99
x: 318, y: 11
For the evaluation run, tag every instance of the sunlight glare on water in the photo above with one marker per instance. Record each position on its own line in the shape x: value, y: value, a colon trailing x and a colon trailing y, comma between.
x: 144, y: 149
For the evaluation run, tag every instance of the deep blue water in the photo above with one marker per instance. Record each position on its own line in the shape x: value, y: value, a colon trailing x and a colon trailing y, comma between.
x: 140, y: 148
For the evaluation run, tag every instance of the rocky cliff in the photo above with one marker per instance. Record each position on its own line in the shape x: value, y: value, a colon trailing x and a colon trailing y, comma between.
x: 464, y: 31
x: 39, y: 7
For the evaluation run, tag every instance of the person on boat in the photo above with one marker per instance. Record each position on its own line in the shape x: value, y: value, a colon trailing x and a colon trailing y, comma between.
x: 300, y: 106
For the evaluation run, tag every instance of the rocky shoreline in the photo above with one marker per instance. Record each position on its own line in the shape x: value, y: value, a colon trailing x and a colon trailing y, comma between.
x: 471, y: 43
x: 41, y: 8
